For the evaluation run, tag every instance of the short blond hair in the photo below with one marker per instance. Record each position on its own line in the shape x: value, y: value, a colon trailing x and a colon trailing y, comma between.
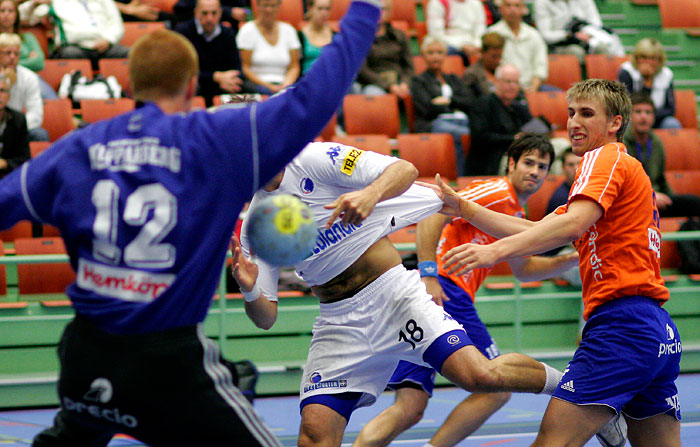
x: 611, y: 94
x: 161, y: 64
x: 10, y: 40
x: 649, y: 47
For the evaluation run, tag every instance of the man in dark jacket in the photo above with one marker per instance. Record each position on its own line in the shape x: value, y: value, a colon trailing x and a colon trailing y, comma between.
x: 14, y: 142
x: 494, y: 121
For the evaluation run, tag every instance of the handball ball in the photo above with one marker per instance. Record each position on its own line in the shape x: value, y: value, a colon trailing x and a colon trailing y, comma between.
x: 281, y: 230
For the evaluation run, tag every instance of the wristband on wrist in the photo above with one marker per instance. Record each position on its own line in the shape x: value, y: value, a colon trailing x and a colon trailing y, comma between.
x: 428, y: 268
x: 253, y: 295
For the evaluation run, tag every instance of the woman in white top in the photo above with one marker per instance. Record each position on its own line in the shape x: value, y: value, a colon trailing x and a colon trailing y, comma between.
x: 269, y: 49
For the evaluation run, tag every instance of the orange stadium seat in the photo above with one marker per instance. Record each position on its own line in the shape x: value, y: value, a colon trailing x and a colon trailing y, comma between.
x: 37, y: 147
x: 564, y: 70
x: 551, y: 105
x: 94, y: 110
x: 371, y: 114
x: 679, y: 13
x: 682, y: 147
x: 464, y: 181
x: 431, y: 153
x: 58, y: 117
x: 684, y: 182
x: 54, y: 69
x: 42, y: 278
x: 22, y: 229
x: 372, y: 142
x: 162, y: 5
x: 669, y: 249
x: 291, y: 11
x: 119, y: 68
x: 537, y: 203
x: 328, y: 132
x: 198, y: 103
x: 134, y: 30
x: 338, y: 9
x: 404, y: 235
x: 453, y: 65
x: 686, y: 108
x: 603, y: 66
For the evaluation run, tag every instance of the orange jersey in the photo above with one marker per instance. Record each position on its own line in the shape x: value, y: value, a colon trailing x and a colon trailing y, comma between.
x: 496, y: 194
x: 620, y: 254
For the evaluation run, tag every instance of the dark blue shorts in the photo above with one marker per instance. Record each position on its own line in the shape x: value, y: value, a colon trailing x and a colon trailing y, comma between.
x: 462, y: 309
x: 628, y: 360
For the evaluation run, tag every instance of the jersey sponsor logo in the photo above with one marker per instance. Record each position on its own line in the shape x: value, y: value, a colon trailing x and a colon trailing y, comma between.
x: 673, y: 402
x: 333, y: 153
x: 350, y: 161
x: 327, y: 384
x: 122, y: 283
x: 129, y: 154
x: 306, y: 185
x: 569, y: 386
x: 594, y: 259
x: 332, y: 236
x: 673, y: 346
x: 100, y: 392
x: 654, y: 242
x: 453, y: 339
x: 315, y: 377
x: 669, y: 332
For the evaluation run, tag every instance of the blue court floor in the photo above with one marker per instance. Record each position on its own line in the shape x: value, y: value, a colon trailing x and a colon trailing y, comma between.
x: 515, y: 425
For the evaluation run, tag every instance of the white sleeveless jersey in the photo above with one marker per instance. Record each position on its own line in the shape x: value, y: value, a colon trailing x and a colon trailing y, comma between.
x: 320, y: 174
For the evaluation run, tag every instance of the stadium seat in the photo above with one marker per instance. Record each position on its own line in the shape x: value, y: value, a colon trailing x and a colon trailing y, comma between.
x: 54, y: 69
x: 94, y: 110
x: 684, y: 182
x: 537, y: 203
x: 58, y: 117
x: 453, y: 65
x: 291, y: 11
x: 119, y: 68
x: 463, y: 182
x: 372, y: 142
x: 48, y: 230
x: 162, y: 5
x: 3, y: 274
x: 371, y: 114
x: 134, y: 30
x: 431, y: 153
x: 686, y: 108
x: 466, y: 144
x: 328, y: 132
x: 682, y: 147
x: 564, y: 70
x: 198, y: 103
x: 405, y: 235
x: 551, y: 105
x: 42, y: 278
x: 603, y: 66
x: 679, y: 13
x: 22, y: 229
x: 338, y: 9
x: 669, y: 249
x: 37, y: 147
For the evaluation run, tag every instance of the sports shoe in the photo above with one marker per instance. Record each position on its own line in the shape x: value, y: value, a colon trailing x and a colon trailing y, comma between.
x: 614, y: 433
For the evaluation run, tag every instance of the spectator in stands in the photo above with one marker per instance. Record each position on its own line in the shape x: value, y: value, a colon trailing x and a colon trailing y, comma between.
x: 441, y: 100
x: 24, y: 94
x: 575, y: 27
x: 140, y: 11
x: 316, y: 33
x: 14, y: 143
x: 88, y: 29
x: 647, y: 73
x: 31, y: 55
x: 643, y: 144
x: 269, y: 50
x: 569, y: 164
x: 494, y: 121
x: 232, y: 11
x: 480, y: 76
x: 460, y: 23
x: 524, y: 46
x: 389, y: 64
x: 219, y: 61
x: 493, y: 15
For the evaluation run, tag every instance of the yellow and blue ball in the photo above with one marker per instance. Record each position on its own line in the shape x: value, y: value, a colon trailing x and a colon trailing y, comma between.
x: 281, y: 230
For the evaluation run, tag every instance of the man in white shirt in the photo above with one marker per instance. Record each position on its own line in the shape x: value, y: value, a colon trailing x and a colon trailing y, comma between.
x: 460, y: 23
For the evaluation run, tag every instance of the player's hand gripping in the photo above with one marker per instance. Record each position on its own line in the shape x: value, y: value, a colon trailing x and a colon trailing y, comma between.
x: 463, y: 258
x: 244, y: 271
x: 353, y: 207
x: 453, y: 205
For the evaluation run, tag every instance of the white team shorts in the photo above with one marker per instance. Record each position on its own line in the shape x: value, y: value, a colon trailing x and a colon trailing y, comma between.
x: 357, y: 342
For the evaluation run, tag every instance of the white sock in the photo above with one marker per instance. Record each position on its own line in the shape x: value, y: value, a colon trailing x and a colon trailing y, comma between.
x: 552, y: 380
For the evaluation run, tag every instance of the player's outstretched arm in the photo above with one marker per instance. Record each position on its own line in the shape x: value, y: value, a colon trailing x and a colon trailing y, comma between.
x: 536, y: 268
x: 261, y: 311
x: 427, y: 236
x: 355, y: 206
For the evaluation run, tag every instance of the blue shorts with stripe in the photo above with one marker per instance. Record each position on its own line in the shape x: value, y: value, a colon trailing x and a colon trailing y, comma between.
x: 628, y: 360
x: 461, y: 308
